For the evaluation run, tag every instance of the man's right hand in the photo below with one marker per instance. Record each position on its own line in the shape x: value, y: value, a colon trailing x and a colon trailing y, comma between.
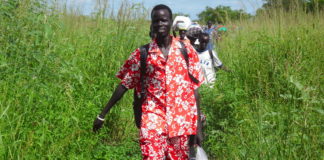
x: 97, y: 124
x: 117, y: 95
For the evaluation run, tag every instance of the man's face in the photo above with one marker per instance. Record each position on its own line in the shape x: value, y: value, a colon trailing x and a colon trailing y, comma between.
x: 192, y: 40
x: 182, y: 34
x: 161, y: 22
x: 204, y: 40
x: 209, y: 24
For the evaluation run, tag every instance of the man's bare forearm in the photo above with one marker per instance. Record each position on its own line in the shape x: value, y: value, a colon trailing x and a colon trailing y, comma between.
x: 198, y: 108
x: 117, y: 95
x: 198, y: 137
x: 174, y: 30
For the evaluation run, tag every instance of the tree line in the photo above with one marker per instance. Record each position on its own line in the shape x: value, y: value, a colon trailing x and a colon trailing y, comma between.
x: 222, y: 14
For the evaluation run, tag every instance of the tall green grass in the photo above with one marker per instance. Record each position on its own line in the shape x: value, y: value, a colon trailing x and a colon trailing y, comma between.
x: 58, y: 71
x: 271, y: 105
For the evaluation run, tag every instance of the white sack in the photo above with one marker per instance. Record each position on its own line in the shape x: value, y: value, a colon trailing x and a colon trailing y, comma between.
x: 201, y: 155
x: 182, y: 26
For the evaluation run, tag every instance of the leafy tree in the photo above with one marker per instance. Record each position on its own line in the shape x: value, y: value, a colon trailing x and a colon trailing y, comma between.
x: 179, y: 14
x: 221, y: 14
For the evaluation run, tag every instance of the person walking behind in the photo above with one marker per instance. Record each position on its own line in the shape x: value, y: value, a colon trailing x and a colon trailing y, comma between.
x: 212, y: 35
x: 170, y: 112
x: 209, y: 60
x: 182, y: 33
x: 193, y: 33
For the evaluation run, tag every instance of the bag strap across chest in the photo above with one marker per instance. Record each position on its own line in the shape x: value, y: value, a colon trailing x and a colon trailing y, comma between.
x: 185, y: 56
x: 143, y: 56
x: 137, y: 104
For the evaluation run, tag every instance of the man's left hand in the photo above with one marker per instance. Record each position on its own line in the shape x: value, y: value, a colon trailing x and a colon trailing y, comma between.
x: 199, y: 138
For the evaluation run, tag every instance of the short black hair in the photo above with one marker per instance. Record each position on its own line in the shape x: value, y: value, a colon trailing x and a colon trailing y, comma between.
x: 162, y: 6
x: 203, y: 34
x: 210, y: 22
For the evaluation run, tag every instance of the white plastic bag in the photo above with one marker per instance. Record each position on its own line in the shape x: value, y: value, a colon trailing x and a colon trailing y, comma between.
x: 182, y: 26
x: 201, y: 154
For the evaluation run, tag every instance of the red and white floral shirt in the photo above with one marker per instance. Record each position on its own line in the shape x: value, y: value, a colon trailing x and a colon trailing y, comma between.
x: 170, y: 102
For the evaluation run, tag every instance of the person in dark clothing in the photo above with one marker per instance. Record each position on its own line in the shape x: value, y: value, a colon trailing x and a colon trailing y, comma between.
x: 212, y: 35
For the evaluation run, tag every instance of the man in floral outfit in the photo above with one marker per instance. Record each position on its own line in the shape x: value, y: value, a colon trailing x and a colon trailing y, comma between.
x: 170, y: 112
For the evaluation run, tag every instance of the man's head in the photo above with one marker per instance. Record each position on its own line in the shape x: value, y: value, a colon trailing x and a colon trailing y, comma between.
x: 203, y: 41
x: 193, y: 33
x: 192, y: 39
x: 161, y: 17
x: 182, y: 34
x: 209, y: 24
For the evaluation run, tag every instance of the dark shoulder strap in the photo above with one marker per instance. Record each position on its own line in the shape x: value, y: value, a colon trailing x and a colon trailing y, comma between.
x: 143, y: 51
x: 212, y: 57
x: 185, y: 56
x: 184, y: 51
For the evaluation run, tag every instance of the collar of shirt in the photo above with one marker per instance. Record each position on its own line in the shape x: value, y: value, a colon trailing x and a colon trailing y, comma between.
x: 154, y: 48
x: 200, y: 52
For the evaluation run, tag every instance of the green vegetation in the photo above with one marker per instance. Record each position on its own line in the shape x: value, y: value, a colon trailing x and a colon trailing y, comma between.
x: 222, y: 14
x: 57, y: 71
x: 309, y: 5
x: 271, y: 105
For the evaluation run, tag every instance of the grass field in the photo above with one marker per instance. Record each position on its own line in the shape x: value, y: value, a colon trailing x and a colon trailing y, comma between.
x: 57, y: 72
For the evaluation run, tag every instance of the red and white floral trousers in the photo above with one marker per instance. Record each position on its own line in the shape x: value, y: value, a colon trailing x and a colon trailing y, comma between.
x: 156, y: 146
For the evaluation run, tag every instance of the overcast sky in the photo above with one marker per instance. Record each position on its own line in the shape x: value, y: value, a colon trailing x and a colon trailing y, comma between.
x: 191, y: 7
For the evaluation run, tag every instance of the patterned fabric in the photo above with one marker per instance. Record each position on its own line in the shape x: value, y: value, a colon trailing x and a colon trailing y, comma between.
x: 207, y: 66
x: 169, y: 91
x: 155, y: 147
x: 194, y: 31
